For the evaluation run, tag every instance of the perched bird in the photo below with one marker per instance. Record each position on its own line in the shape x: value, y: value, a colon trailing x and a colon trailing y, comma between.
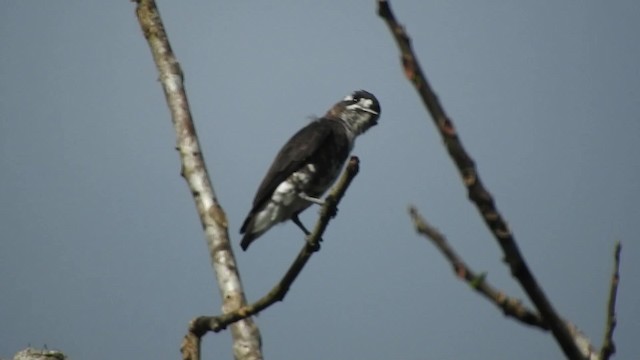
x: 308, y: 164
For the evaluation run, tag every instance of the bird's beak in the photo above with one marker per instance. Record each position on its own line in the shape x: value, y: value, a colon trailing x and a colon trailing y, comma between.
x: 369, y: 111
x: 358, y: 107
x: 361, y: 108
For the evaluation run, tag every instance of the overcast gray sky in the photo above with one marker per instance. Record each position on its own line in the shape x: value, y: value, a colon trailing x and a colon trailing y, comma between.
x: 102, y: 253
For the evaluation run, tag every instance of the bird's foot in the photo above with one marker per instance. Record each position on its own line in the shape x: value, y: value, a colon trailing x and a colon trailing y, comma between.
x: 333, y: 211
x: 311, y: 199
x: 314, y: 246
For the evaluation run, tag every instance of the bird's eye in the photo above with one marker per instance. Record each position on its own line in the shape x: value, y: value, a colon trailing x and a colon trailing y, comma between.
x: 355, y: 100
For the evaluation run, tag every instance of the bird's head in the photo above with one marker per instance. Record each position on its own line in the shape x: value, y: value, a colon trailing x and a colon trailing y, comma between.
x: 359, y: 110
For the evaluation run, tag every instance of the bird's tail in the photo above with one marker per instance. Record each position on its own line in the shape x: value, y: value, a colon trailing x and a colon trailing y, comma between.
x: 254, y: 226
x: 250, y: 232
x: 247, y: 240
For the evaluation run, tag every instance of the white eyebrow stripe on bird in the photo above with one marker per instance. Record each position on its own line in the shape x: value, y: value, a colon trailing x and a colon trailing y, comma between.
x: 348, y: 98
x: 366, y: 103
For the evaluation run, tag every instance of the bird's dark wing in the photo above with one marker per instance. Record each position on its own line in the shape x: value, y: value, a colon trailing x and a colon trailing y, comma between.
x: 308, y: 145
x: 293, y: 155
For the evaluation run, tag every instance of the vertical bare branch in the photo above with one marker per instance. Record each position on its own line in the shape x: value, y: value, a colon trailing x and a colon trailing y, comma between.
x: 608, y: 346
x: 246, y: 336
x: 478, y: 194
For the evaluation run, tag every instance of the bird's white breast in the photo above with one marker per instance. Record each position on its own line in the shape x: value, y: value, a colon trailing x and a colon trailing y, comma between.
x: 285, y: 200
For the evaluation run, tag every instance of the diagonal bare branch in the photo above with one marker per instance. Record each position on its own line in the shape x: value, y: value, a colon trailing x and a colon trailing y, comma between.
x: 608, y: 346
x: 477, y: 193
x: 245, y: 334
x: 203, y: 324
x: 510, y: 306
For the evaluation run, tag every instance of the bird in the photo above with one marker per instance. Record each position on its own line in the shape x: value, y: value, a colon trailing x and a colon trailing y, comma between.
x: 308, y: 164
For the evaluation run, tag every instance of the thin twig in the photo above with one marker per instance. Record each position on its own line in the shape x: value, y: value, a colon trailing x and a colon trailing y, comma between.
x: 510, y: 306
x: 204, y: 324
x: 245, y: 334
x: 477, y: 193
x: 608, y: 346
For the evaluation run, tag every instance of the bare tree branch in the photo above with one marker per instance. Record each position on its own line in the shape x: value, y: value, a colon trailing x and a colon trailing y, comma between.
x: 245, y: 334
x: 608, y: 346
x: 510, y: 306
x: 204, y: 324
x: 39, y: 354
x: 582, y: 342
x: 478, y: 194
x: 191, y: 345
